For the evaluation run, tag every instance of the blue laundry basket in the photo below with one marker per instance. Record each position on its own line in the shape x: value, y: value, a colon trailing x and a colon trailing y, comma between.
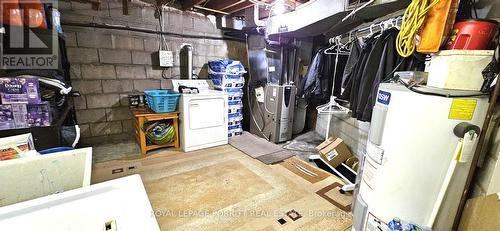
x: 161, y: 101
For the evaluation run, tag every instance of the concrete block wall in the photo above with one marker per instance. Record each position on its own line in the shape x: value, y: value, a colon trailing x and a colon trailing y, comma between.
x: 107, y: 65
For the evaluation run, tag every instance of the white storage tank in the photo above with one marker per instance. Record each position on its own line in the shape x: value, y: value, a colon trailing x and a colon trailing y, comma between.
x: 410, y: 149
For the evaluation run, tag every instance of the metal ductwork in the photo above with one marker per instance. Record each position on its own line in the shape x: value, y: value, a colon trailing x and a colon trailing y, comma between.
x: 228, y: 22
x: 252, y: 17
x: 328, y: 17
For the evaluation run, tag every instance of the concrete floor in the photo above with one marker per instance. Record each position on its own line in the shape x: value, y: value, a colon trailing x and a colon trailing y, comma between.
x: 116, y: 151
x: 130, y: 149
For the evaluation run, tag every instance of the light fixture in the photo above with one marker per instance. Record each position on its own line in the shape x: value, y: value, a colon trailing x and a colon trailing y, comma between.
x: 279, y: 7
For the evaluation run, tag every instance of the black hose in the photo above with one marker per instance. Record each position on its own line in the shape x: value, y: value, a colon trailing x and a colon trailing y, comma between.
x: 411, y: 88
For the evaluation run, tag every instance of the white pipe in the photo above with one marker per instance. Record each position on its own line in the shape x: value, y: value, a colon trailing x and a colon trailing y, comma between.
x: 53, y: 82
x: 256, y: 16
x: 77, y: 138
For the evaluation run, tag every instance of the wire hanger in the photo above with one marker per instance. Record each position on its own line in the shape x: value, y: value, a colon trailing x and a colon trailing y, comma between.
x: 338, y: 49
x: 328, y: 51
x: 348, y: 43
x: 333, y: 107
x: 381, y: 30
x: 396, y: 22
x: 371, y: 30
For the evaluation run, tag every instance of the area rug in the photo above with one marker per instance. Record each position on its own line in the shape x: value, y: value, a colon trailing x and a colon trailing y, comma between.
x: 275, y: 157
x: 305, y: 170
x: 259, y: 148
x: 221, y: 188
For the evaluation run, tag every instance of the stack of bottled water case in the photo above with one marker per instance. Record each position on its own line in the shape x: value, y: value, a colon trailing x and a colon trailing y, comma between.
x: 227, y: 75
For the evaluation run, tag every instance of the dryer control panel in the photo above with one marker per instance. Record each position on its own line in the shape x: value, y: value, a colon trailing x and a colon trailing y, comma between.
x: 201, y: 85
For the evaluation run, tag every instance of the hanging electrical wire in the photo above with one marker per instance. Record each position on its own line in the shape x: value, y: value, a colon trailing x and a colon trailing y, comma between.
x: 161, y: 25
x: 162, y: 44
x: 413, y: 19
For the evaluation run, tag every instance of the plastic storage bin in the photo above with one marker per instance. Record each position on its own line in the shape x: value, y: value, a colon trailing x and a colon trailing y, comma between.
x: 161, y: 101
x: 458, y: 69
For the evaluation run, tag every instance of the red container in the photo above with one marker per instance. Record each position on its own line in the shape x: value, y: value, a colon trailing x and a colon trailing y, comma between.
x: 474, y: 34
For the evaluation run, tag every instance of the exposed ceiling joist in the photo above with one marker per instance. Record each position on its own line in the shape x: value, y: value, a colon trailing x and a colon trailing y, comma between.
x: 233, y: 7
x: 222, y: 5
x: 211, y: 10
x: 239, y: 7
x: 188, y: 4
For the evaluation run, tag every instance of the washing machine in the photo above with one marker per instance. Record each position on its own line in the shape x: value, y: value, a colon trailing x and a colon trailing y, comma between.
x: 202, y: 116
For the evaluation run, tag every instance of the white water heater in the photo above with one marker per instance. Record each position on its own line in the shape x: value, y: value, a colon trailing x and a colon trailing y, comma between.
x: 411, y: 169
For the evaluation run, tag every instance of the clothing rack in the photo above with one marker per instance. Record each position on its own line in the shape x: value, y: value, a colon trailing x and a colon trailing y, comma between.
x: 347, y: 38
x: 386, y: 24
x: 372, y: 28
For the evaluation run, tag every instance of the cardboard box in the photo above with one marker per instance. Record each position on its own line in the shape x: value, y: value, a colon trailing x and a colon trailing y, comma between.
x: 19, y: 90
x: 334, y: 151
x: 481, y: 213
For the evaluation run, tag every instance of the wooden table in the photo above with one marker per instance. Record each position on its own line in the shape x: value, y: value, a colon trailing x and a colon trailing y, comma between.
x: 144, y: 114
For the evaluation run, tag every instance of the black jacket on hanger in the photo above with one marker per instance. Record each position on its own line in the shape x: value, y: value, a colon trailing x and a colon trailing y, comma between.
x: 352, y: 88
x: 333, y: 74
x: 319, y: 77
x: 311, y: 85
x: 390, y: 62
x: 351, y: 62
x: 381, y: 61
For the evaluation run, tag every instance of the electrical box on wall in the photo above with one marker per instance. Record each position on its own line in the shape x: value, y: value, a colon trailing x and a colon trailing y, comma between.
x: 166, y: 58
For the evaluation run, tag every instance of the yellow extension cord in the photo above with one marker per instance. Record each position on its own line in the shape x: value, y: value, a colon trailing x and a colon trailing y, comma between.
x: 413, y: 19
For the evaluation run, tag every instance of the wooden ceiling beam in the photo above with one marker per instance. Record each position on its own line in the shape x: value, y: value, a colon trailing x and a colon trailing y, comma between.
x: 188, y: 4
x: 211, y: 10
x: 223, y: 4
x: 239, y: 7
